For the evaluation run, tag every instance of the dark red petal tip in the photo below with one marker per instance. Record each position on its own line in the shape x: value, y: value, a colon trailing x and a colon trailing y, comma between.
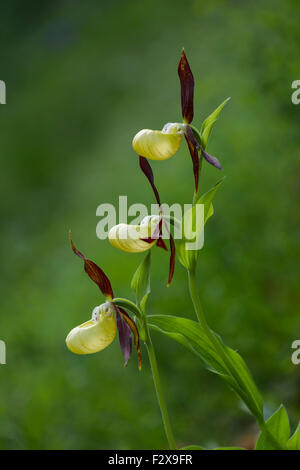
x: 187, y: 88
x: 193, y: 148
x: 147, y: 170
x: 172, y: 260
x: 161, y: 244
x: 95, y: 273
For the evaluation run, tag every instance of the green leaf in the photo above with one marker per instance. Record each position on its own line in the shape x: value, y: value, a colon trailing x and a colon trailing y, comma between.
x: 191, y: 335
x: 188, y: 257
x: 209, y: 123
x: 278, y: 428
x: 207, y: 198
x: 196, y: 133
x: 229, y: 448
x: 192, y: 448
x: 294, y: 442
x: 141, y: 281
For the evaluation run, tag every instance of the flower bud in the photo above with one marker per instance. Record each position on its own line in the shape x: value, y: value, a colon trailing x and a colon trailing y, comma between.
x: 95, y: 334
x: 131, y: 238
x: 158, y: 145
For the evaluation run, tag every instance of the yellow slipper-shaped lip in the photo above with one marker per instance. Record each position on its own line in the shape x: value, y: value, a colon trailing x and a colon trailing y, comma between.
x: 95, y: 334
x: 158, y: 145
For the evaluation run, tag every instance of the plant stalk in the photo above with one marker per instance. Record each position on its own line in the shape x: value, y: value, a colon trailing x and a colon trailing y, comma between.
x: 218, y: 346
x: 158, y: 389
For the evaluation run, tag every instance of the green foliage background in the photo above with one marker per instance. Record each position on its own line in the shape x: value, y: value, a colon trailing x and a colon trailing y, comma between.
x: 82, y: 78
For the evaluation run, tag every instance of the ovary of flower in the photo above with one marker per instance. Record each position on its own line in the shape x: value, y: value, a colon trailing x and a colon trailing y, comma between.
x: 159, y: 145
x: 95, y: 334
x: 131, y: 238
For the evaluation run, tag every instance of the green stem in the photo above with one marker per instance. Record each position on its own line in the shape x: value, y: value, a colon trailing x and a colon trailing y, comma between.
x: 219, y: 348
x: 202, y: 319
x: 158, y: 389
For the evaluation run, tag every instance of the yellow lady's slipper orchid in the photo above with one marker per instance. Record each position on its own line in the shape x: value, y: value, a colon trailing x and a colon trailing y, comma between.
x: 95, y: 334
x: 135, y: 238
x: 158, y: 145
x: 161, y: 145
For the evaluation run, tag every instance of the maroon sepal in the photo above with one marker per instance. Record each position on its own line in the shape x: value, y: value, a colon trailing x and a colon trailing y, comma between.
x: 212, y: 160
x: 193, y: 148
x: 95, y: 273
x: 161, y: 244
x: 147, y: 170
x: 187, y: 88
x: 172, y: 260
x: 134, y: 330
x: 148, y: 240
x: 172, y: 255
x: 124, y: 335
x: 191, y: 137
x: 157, y: 235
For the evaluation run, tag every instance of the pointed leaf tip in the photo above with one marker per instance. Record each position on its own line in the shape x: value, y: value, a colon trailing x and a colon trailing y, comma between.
x: 140, y: 282
x: 209, y: 123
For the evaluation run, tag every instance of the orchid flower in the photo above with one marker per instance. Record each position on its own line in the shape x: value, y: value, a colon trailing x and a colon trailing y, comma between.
x: 139, y: 238
x: 99, y: 332
x: 135, y: 238
x: 161, y: 145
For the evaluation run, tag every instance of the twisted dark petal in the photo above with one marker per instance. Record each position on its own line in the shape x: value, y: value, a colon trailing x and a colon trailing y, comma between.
x: 212, y: 160
x: 191, y: 137
x: 187, y: 88
x: 172, y: 260
x: 157, y: 235
x: 147, y: 170
x: 148, y: 240
x: 193, y: 148
x: 172, y: 254
x: 95, y: 273
x: 161, y: 244
x: 133, y: 328
x: 124, y: 335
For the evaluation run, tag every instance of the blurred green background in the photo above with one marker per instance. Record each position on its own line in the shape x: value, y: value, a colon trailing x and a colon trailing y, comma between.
x: 82, y: 78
